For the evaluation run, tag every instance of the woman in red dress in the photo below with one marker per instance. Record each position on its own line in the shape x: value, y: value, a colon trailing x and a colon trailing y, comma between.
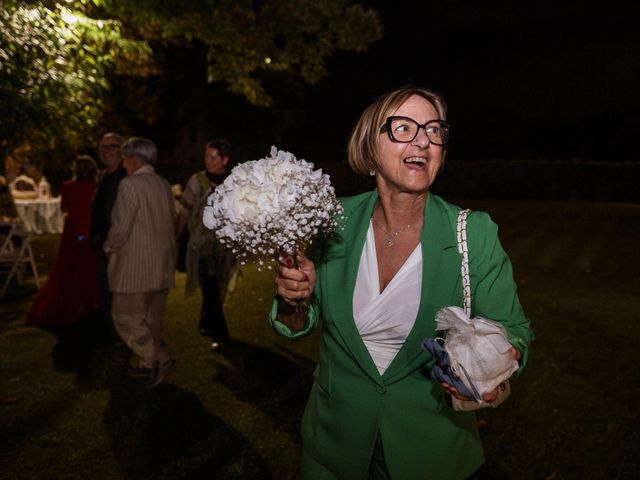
x: 71, y: 290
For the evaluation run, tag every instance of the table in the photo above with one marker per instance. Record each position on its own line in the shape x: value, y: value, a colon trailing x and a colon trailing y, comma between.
x: 41, y: 215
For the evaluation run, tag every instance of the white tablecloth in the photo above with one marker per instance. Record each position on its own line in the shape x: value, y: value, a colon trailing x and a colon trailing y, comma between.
x: 41, y: 215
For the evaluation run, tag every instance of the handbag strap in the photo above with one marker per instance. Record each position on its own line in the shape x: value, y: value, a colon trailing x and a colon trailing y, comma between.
x: 463, y: 248
x: 461, y: 231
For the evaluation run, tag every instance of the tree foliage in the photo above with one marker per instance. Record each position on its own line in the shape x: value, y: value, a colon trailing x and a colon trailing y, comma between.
x: 246, y: 39
x: 53, y: 60
x: 55, y: 57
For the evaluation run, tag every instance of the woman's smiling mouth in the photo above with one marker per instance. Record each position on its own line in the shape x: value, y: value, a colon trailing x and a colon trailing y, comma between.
x: 417, y: 161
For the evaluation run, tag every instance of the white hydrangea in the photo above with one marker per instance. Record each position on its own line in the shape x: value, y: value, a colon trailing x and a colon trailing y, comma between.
x: 269, y: 207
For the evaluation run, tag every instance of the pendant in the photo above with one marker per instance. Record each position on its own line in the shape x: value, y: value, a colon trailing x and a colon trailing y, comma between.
x: 390, y: 242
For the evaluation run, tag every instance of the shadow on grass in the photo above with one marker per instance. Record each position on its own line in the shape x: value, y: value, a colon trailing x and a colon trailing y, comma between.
x: 88, y: 350
x: 277, y: 384
x: 167, y: 433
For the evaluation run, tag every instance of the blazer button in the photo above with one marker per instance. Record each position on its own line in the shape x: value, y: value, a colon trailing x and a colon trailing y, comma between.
x: 381, y: 389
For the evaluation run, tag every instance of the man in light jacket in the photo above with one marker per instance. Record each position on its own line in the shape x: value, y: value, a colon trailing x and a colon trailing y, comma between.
x: 141, y: 247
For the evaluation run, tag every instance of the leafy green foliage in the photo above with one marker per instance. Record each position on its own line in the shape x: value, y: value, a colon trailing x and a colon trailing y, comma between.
x: 58, y: 59
x: 246, y: 40
x: 52, y: 75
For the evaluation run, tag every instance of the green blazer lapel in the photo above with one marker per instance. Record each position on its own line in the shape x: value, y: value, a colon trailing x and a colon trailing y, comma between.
x: 440, y: 285
x: 340, y: 281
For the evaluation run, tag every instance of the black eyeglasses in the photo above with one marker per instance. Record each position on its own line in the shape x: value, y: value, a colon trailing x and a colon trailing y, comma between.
x: 405, y: 130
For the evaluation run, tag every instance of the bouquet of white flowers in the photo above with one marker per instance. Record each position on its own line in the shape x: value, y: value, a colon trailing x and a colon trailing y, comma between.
x: 268, y: 208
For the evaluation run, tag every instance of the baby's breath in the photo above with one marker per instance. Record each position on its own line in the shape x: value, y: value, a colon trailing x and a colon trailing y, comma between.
x: 270, y: 207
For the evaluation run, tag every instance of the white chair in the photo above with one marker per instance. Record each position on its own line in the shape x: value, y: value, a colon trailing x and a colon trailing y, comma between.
x: 15, y: 255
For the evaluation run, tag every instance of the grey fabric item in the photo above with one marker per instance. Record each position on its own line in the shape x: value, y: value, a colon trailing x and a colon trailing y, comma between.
x: 442, y: 372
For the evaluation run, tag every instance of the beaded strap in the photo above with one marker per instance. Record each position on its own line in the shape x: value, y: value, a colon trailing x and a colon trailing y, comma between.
x: 461, y: 231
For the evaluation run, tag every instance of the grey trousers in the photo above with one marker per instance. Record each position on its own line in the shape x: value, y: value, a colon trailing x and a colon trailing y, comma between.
x: 137, y: 318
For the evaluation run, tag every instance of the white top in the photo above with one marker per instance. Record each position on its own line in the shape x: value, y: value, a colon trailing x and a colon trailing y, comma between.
x: 385, y: 319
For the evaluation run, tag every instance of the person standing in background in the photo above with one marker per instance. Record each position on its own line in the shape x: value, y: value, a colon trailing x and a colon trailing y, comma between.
x: 71, y: 290
x: 207, y: 261
x: 105, y: 198
x: 141, y: 252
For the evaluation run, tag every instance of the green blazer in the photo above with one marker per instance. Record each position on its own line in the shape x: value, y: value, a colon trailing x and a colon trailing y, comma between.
x: 350, y: 402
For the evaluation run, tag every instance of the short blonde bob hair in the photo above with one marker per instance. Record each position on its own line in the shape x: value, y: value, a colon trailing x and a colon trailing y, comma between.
x: 362, y: 150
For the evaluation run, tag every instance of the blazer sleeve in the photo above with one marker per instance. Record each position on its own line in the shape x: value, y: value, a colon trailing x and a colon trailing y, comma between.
x: 494, y: 291
x: 314, y: 253
x: 190, y: 196
x: 313, y: 313
x: 123, y: 217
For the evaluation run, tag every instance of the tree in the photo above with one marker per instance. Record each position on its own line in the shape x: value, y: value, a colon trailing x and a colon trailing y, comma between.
x: 55, y: 58
x: 245, y: 39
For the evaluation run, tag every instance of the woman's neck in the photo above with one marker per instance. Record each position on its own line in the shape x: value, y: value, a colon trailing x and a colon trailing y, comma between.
x: 401, y: 209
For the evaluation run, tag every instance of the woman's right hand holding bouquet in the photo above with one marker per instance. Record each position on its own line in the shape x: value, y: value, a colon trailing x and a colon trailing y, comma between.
x: 295, y: 286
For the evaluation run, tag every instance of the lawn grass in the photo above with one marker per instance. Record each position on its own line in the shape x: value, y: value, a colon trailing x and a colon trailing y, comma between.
x: 68, y: 411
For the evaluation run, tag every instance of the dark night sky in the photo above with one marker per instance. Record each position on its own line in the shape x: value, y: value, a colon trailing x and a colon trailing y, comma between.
x: 527, y: 80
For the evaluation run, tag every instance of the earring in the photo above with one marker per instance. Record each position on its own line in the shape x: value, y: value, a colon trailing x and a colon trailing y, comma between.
x: 372, y: 173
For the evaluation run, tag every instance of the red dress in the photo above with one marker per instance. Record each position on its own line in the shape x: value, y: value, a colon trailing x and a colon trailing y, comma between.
x: 71, y: 290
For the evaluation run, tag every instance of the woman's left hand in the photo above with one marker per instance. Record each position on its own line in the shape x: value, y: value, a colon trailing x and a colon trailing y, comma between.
x: 488, y: 397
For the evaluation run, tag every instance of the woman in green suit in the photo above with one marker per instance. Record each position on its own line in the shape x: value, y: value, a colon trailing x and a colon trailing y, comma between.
x: 377, y: 284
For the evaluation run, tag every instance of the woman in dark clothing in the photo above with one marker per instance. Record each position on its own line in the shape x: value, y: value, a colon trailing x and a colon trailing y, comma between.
x: 71, y: 290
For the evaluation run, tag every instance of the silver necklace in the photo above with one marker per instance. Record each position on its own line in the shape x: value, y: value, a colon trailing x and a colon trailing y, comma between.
x: 390, y: 241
